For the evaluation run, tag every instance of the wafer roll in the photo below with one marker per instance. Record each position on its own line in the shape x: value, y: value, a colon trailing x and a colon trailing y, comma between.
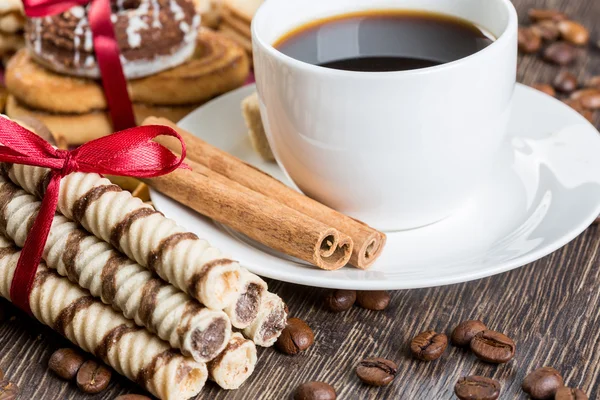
x: 96, y: 328
x: 94, y: 265
x: 271, y: 320
x: 245, y: 308
x: 235, y: 364
x: 140, y: 232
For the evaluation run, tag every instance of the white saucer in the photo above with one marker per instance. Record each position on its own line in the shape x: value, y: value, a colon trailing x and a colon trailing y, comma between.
x: 544, y: 192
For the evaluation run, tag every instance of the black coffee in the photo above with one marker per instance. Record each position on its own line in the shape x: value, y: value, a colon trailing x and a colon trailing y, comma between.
x: 384, y: 40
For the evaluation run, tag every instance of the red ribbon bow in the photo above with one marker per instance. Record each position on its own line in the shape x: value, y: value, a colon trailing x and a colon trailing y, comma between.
x: 128, y: 153
x: 106, y: 49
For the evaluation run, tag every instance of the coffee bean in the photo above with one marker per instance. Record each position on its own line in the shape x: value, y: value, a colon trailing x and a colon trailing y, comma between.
x: 536, y: 14
x: 8, y: 390
x: 561, y: 53
x: 529, y: 40
x: 547, y: 30
x: 340, y: 300
x: 542, y: 383
x: 465, y: 331
x: 591, y: 100
x: 92, y: 377
x: 65, y: 363
x: 376, y: 300
x: 296, y: 337
x: 566, y: 393
x: 376, y: 371
x: 314, y: 391
x: 477, y: 388
x: 544, y: 87
x: 133, y: 397
x: 565, y: 82
x: 429, y: 345
x: 594, y: 82
x: 574, y: 32
x: 493, y: 347
x: 575, y: 104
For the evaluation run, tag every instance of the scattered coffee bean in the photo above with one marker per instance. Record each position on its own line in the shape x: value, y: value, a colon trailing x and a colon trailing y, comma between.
x: 429, y: 345
x: 376, y: 371
x: 340, y: 300
x: 8, y: 390
x: 536, y: 14
x: 542, y: 383
x: 376, y: 300
x: 561, y: 53
x: 296, y: 337
x: 591, y: 100
x: 477, y: 388
x: 493, y: 347
x: 574, y: 32
x: 65, y: 363
x: 547, y: 30
x: 529, y: 40
x: 465, y: 331
x: 594, y: 82
x: 314, y: 391
x: 565, y: 82
x: 133, y: 397
x: 566, y: 393
x: 93, y: 377
x: 545, y: 88
x: 575, y: 104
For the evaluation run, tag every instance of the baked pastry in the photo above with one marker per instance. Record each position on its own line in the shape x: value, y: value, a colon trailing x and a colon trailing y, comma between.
x: 153, y: 35
x: 256, y: 130
x: 243, y: 9
x: 217, y: 66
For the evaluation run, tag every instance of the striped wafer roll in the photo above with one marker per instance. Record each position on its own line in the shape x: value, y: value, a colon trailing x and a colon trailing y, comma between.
x: 140, y: 232
x: 271, y: 320
x: 235, y: 364
x: 245, y: 307
x: 98, y: 329
x: 93, y: 264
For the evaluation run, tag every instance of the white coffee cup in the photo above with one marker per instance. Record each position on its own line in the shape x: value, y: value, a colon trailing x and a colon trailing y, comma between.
x: 397, y: 150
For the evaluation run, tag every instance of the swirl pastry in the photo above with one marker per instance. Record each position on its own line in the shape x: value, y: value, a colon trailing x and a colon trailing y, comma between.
x: 98, y: 329
x: 94, y: 265
x: 153, y: 35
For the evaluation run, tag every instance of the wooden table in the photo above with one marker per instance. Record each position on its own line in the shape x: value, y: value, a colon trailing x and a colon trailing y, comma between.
x: 551, y: 308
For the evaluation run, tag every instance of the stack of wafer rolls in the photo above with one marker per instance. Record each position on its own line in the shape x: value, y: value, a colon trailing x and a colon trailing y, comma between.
x: 98, y: 329
x: 12, y: 23
x: 236, y: 18
x: 154, y: 242
x: 48, y: 82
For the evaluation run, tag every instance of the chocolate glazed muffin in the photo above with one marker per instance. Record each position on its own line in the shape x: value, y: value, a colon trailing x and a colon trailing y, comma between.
x: 153, y: 35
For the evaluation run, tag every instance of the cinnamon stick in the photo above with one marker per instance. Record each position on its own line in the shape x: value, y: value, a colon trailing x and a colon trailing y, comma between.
x: 255, y: 215
x: 368, y: 242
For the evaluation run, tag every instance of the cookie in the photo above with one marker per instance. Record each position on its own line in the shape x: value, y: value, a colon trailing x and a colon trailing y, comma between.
x: 218, y: 66
x: 12, y: 22
x: 10, y: 43
x: 7, y: 6
x: 237, y: 23
x: 236, y: 36
x: 256, y: 130
x: 81, y: 128
x: 153, y: 35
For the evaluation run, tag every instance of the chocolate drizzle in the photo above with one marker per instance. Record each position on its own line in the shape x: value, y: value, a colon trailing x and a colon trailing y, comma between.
x: 147, y: 373
x: 108, y: 276
x: 156, y: 255
x: 112, y: 337
x: 148, y: 301
x: 42, y: 185
x: 70, y: 253
x: 5, y: 169
x: 82, y: 204
x: 7, y: 193
x: 67, y: 315
x: 197, y: 278
x: 122, y: 228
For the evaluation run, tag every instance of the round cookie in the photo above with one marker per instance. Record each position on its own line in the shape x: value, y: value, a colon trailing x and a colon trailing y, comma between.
x: 12, y: 22
x: 7, y: 6
x: 153, y: 35
x: 81, y: 128
x: 218, y: 66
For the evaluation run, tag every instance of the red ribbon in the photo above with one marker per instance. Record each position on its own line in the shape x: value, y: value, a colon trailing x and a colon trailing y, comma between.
x: 106, y: 49
x: 127, y: 153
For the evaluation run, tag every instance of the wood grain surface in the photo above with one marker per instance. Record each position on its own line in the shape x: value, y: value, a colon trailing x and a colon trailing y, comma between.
x: 551, y: 308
